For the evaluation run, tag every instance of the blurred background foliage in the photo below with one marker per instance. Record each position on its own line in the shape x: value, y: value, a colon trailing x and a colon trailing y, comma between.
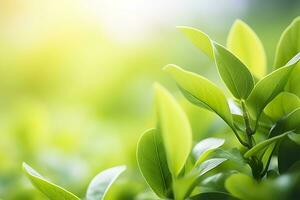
x: 76, y: 81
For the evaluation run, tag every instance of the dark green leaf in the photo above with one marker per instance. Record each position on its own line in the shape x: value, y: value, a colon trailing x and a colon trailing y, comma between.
x: 213, y: 196
x: 153, y: 163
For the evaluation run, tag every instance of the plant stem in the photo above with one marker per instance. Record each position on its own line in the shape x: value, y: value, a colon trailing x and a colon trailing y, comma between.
x: 249, y: 131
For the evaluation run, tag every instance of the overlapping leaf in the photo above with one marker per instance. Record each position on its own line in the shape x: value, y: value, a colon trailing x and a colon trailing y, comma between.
x: 153, y: 163
x: 200, y: 91
x: 175, y: 130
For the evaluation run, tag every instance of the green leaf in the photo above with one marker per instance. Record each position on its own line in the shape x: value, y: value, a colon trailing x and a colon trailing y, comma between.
x: 291, y: 122
x: 199, y: 39
x: 289, y: 44
x: 205, y: 147
x: 293, y: 86
x: 51, y: 190
x: 175, y: 130
x: 281, y: 105
x: 153, y: 163
x: 245, y: 44
x: 295, y: 137
x: 288, y: 155
x: 234, y: 73
x: 101, y: 183
x: 202, y: 92
x: 269, y: 87
x: 208, y: 165
x: 213, y: 196
x: 261, y: 146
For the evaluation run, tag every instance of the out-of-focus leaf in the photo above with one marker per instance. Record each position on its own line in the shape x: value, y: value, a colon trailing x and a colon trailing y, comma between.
x: 269, y: 87
x: 52, y: 191
x: 234, y: 73
x: 288, y: 155
x: 201, y: 92
x: 199, y: 39
x: 289, y: 44
x: 293, y: 85
x: 213, y: 196
x: 215, y: 182
x: 295, y: 137
x: 261, y: 146
x: 205, y: 147
x: 244, y: 43
x: 153, y: 163
x: 101, y: 183
x: 291, y: 122
x: 281, y: 105
x: 175, y: 130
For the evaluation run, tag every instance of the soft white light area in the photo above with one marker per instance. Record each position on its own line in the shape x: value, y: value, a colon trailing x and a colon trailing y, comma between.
x: 132, y: 20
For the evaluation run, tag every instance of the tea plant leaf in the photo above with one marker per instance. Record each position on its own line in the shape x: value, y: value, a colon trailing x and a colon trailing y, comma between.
x: 153, y: 163
x: 52, y: 191
x: 261, y: 146
x: 205, y: 147
x: 208, y: 165
x: 293, y: 86
x: 101, y: 183
x: 175, y: 130
x: 199, y: 39
x: 289, y: 44
x: 269, y: 87
x: 295, y: 137
x: 201, y: 92
x: 281, y: 105
x: 233, y: 72
x: 288, y: 155
x: 291, y: 122
x: 244, y: 43
x: 213, y: 196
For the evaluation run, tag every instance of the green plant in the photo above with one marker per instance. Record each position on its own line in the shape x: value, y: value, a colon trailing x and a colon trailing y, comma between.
x: 268, y: 116
x: 97, y: 189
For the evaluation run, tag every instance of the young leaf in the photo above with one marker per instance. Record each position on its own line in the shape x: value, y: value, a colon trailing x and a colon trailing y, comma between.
x: 175, y: 130
x: 101, y: 183
x: 269, y: 87
x: 206, y: 146
x: 261, y: 146
x: 289, y: 44
x: 293, y: 86
x: 234, y: 73
x: 295, y: 137
x: 281, y: 105
x: 153, y: 163
x: 199, y: 39
x: 52, y: 191
x: 245, y: 44
x: 208, y: 165
x: 291, y: 122
x: 202, y: 92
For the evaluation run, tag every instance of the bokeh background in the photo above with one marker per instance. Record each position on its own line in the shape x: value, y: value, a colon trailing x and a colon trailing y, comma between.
x: 76, y: 81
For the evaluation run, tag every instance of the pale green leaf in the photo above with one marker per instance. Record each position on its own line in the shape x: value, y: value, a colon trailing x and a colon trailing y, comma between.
x: 202, y: 92
x: 261, y: 146
x: 208, y: 165
x: 101, y: 183
x: 199, y: 39
x: 245, y: 44
x: 205, y: 147
x: 269, y: 87
x: 153, y: 163
x: 233, y: 72
x: 289, y: 44
x: 295, y: 137
x: 52, y: 191
x: 281, y: 105
x: 293, y: 86
x: 175, y: 130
